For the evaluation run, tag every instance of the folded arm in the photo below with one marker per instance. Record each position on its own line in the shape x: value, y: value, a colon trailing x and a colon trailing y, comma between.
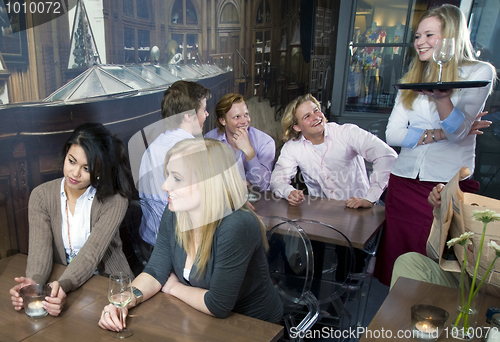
x: 259, y: 167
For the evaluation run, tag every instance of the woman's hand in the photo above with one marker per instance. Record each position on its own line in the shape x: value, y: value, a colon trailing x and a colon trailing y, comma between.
x: 55, y: 302
x: 110, y: 319
x: 478, y: 125
x: 356, y: 202
x: 435, y: 195
x: 171, y: 282
x: 17, y: 300
x: 435, y: 94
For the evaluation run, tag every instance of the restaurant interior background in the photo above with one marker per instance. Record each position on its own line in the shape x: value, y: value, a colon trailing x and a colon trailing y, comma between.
x: 346, y: 53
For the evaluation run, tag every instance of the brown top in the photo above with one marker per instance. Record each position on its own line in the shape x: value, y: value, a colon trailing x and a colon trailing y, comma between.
x: 101, y: 251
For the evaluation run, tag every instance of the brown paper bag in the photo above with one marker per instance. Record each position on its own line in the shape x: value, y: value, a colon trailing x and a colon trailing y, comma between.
x: 455, y: 216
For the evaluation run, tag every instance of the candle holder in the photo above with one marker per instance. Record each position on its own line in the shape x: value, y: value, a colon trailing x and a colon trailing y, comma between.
x: 427, y: 322
x: 33, y: 295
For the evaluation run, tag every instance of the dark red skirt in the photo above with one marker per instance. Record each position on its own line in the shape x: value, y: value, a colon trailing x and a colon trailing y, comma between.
x: 408, y: 221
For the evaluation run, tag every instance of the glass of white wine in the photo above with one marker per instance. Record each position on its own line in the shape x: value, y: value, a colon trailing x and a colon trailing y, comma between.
x: 120, y: 294
x: 443, y: 52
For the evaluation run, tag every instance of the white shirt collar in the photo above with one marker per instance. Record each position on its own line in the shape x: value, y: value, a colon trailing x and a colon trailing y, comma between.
x: 88, y: 194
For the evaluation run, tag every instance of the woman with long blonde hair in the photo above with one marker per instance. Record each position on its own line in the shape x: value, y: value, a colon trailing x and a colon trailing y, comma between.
x: 211, y: 248
x: 436, y: 131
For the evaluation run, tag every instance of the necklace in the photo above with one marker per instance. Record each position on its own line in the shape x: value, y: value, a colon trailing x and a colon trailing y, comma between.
x: 72, y: 253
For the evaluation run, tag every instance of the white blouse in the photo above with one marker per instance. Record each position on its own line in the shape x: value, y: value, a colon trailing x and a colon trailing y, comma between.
x: 439, y: 161
x: 79, y: 222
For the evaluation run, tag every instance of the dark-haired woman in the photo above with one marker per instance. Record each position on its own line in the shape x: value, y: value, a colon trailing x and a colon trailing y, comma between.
x: 75, y: 220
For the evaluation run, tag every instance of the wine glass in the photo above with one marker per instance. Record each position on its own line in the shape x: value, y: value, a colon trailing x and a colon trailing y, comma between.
x: 120, y: 294
x: 443, y: 52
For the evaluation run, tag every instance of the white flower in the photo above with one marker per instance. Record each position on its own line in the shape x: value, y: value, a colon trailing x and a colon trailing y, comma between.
x: 495, y: 246
x: 461, y: 240
x: 485, y: 216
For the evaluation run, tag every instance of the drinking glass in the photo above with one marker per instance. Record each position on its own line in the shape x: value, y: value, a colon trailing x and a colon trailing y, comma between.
x: 120, y: 294
x: 33, y: 295
x: 443, y: 52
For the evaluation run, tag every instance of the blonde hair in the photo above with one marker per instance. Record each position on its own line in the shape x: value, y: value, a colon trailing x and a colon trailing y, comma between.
x: 289, y: 119
x: 222, y: 190
x: 223, y: 106
x: 453, y: 25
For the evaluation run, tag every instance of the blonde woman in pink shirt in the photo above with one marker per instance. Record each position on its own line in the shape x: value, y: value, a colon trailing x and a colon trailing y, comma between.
x: 330, y: 157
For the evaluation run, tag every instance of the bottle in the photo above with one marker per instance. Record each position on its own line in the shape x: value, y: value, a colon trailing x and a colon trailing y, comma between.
x: 490, y: 312
x: 494, y: 332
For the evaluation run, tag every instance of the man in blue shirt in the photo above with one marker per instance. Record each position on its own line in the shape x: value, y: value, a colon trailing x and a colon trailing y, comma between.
x: 184, y: 110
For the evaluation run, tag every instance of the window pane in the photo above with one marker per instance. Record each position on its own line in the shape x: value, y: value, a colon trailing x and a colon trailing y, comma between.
x: 127, y: 77
x: 268, y: 12
x: 142, y: 9
x: 128, y: 7
x: 223, y: 44
x: 191, y: 46
x: 129, y: 42
x: 229, y: 15
x: 260, y: 14
x: 191, y: 17
x: 179, y: 38
x: 143, y: 39
x: 377, y: 54
x: 177, y: 13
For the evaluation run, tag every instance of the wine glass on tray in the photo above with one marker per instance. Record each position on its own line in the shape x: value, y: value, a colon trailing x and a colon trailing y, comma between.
x: 443, y: 52
x: 120, y: 294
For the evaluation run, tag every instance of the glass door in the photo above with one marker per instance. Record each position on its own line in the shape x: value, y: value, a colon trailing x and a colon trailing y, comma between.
x: 380, y: 37
x: 376, y: 50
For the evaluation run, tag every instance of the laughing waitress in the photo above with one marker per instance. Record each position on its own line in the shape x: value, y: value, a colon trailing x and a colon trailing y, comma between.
x: 436, y: 131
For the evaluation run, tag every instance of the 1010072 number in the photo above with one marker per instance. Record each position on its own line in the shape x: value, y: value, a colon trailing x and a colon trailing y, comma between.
x: 41, y: 7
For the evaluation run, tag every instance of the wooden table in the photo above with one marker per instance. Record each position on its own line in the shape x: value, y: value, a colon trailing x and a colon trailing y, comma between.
x: 394, y: 314
x: 162, y: 318
x: 359, y: 225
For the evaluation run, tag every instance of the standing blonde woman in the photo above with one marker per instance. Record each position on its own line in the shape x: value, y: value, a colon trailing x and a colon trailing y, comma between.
x: 436, y: 131
x: 210, y: 251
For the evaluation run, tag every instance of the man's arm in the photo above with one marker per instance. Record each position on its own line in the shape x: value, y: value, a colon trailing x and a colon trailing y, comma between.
x: 284, y: 170
x: 259, y: 168
x: 377, y: 152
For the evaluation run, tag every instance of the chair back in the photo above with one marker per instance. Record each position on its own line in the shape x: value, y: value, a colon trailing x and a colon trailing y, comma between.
x: 141, y: 249
x: 334, y: 262
x: 138, y: 144
x: 291, y: 265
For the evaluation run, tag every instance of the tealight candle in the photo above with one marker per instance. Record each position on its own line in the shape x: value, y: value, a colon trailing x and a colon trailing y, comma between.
x: 426, y: 327
x: 427, y: 322
x: 33, y: 296
x: 426, y: 331
x: 35, y: 309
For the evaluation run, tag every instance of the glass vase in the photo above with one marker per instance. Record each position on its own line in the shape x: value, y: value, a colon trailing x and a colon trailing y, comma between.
x: 464, y: 322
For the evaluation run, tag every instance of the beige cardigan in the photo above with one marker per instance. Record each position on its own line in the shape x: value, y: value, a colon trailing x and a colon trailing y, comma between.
x: 102, y: 250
